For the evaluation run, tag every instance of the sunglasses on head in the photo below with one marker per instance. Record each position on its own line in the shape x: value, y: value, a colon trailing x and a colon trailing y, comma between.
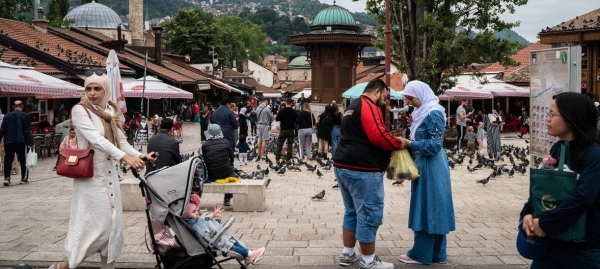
x: 98, y: 72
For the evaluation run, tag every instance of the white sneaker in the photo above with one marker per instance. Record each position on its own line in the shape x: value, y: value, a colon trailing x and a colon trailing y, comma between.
x: 376, y: 264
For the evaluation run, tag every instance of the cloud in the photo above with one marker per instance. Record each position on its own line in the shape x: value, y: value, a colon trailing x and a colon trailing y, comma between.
x: 534, y: 16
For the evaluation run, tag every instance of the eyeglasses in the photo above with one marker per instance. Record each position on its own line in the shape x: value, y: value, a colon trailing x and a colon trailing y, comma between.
x: 549, y: 115
x: 98, y: 72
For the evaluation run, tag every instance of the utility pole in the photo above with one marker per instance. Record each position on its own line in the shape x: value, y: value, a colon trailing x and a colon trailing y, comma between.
x: 212, y: 53
x: 388, y: 41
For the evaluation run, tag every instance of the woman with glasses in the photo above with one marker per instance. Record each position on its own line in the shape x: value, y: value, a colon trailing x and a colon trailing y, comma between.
x: 572, y: 118
x: 96, y: 220
x: 431, y: 211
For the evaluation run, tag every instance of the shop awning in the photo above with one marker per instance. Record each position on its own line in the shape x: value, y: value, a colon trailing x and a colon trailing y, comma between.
x: 225, y: 86
x: 24, y: 81
x: 155, y: 89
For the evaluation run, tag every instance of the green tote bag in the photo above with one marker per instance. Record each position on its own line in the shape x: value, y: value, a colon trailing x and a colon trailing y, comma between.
x: 548, y: 188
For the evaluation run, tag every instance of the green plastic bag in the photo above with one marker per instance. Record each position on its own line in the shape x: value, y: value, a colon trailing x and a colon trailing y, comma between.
x: 548, y: 188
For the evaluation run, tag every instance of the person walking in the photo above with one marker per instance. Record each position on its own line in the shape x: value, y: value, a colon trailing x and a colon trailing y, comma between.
x: 243, y: 120
x: 492, y: 126
x: 287, y: 118
x: 205, y: 121
x: 224, y: 117
x: 524, y: 121
x: 96, y: 221
x: 461, y: 122
x: 306, y: 125
x: 195, y: 112
x: 431, y: 213
x: 336, y: 134
x: 253, y: 120
x: 16, y: 131
x: 572, y: 118
x: 166, y: 147
x: 265, y: 117
x: 361, y: 179
x: 324, y: 129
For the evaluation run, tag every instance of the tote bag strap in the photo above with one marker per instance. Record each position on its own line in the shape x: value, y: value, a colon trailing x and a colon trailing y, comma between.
x: 561, y: 159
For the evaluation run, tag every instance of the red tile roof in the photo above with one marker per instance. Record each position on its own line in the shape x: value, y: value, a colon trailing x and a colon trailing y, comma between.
x: 297, y: 87
x: 128, y: 58
x: 259, y: 87
x: 53, y: 46
x: 369, y: 77
x: 14, y: 57
x: 230, y: 73
x: 521, y: 57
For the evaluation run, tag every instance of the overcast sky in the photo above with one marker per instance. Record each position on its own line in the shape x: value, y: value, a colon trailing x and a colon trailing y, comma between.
x: 536, y: 15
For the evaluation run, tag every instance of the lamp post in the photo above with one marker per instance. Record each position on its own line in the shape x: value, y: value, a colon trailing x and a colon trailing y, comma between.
x: 388, y: 41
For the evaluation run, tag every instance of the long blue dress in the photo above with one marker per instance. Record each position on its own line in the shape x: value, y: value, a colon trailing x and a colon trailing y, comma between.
x: 431, y: 208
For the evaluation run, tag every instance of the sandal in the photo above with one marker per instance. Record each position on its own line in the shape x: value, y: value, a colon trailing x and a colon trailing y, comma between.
x: 55, y: 265
x: 406, y: 259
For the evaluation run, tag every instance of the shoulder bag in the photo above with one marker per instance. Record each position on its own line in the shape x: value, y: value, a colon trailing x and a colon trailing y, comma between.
x: 548, y: 188
x: 76, y: 163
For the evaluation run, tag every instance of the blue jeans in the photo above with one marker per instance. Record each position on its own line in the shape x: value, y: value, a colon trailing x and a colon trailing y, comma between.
x: 561, y: 257
x: 238, y: 248
x: 362, y: 193
x: 428, y: 248
x: 335, y: 139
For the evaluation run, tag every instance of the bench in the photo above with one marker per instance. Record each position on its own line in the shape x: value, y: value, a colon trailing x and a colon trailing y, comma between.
x: 512, y: 124
x: 248, y: 195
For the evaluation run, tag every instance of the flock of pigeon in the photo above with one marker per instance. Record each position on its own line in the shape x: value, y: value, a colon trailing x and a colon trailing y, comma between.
x: 518, y: 162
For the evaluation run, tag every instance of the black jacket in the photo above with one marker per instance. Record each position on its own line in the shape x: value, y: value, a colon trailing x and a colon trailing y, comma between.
x: 287, y: 117
x: 305, y: 120
x: 218, y: 156
x: 16, y: 128
x: 167, y: 148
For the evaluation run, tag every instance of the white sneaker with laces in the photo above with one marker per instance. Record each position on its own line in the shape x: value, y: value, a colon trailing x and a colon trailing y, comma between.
x: 376, y: 264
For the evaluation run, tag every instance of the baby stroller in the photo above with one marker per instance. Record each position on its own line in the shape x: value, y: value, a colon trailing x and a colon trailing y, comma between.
x: 166, y: 193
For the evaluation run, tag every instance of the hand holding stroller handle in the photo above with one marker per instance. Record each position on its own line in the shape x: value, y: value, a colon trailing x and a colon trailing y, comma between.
x: 145, y: 159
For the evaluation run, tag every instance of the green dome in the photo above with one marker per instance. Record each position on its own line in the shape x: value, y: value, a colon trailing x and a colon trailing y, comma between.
x: 334, y: 15
x: 299, y: 61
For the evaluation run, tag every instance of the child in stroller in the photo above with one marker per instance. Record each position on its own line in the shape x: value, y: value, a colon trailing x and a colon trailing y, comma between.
x: 207, y: 227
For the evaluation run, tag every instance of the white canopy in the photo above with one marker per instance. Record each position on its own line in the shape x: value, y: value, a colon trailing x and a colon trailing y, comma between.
x: 307, y: 92
x: 155, y: 89
x: 24, y: 81
x: 474, y: 88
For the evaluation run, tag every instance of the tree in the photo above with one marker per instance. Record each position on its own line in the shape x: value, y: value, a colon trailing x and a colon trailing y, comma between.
x: 430, y: 48
x: 191, y: 31
x: 57, y: 11
x: 240, y: 39
x: 8, y: 9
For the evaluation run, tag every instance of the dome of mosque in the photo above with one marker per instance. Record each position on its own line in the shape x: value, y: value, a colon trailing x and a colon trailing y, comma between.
x: 94, y: 15
x: 300, y: 61
x: 334, y: 15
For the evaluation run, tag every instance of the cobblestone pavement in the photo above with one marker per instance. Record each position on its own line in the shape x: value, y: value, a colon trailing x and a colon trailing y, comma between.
x: 297, y: 232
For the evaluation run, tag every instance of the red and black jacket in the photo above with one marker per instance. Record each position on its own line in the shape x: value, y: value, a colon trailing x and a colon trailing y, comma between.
x: 365, y: 145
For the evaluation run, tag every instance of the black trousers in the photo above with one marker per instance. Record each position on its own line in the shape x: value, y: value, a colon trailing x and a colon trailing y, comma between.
x: 9, y: 157
x: 461, y: 135
x: 283, y: 136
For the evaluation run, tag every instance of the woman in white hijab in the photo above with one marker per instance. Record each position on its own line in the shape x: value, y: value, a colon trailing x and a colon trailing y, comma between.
x: 431, y: 214
x: 96, y: 220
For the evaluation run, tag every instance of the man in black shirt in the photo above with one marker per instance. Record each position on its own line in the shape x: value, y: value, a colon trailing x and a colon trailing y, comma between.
x: 165, y: 145
x: 287, y: 118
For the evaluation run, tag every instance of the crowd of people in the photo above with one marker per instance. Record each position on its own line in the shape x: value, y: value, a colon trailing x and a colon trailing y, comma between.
x: 96, y: 222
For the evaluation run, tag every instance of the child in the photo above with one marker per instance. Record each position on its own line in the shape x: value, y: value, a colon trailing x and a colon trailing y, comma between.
x: 471, y: 137
x: 207, y: 227
x: 243, y: 148
x: 480, y: 135
x: 70, y: 141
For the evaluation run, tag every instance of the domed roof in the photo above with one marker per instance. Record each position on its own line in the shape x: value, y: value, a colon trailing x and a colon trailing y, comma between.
x: 300, y: 61
x: 94, y: 15
x: 334, y: 15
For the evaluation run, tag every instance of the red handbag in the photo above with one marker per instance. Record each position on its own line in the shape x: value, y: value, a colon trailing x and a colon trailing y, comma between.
x: 76, y: 163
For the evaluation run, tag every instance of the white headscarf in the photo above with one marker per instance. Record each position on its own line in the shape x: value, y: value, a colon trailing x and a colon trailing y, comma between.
x: 429, y: 103
x: 243, y: 110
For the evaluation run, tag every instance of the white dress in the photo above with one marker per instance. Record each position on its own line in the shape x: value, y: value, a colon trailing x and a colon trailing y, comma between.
x: 96, y: 223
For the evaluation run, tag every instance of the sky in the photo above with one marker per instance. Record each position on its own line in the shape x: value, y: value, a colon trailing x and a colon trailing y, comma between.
x: 534, y: 16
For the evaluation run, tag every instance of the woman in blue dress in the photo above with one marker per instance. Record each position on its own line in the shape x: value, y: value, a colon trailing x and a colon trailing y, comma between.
x: 431, y: 214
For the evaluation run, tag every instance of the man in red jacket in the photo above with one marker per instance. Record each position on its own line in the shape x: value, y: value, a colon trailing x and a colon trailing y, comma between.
x: 361, y: 178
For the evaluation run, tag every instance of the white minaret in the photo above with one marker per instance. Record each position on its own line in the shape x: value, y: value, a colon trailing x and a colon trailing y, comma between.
x: 136, y: 22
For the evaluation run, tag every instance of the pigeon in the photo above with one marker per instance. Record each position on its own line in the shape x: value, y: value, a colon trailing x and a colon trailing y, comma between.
x: 511, y: 172
x: 266, y: 172
x: 268, y: 182
x: 319, y: 174
x: 319, y: 196
x: 398, y: 182
x: 281, y: 171
x: 471, y: 170
x: 311, y: 168
x: 483, y: 181
x: 336, y: 186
